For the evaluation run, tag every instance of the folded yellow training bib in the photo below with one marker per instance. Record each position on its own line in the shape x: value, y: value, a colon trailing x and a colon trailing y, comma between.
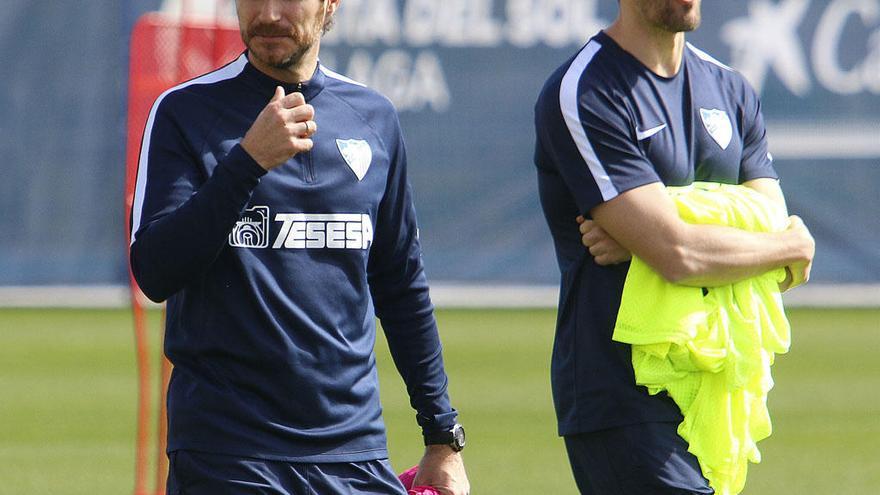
x: 711, y: 353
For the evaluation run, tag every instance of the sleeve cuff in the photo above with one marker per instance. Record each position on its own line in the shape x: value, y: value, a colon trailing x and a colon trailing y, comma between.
x: 437, y: 422
x: 240, y: 163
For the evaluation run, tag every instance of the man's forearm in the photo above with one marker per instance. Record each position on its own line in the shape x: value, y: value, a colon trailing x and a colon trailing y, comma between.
x: 645, y: 221
x: 415, y: 348
x: 169, y: 252
x: 713, y: 255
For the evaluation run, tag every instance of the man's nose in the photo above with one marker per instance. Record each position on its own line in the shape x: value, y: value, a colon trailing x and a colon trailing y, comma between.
x: 270, y: 11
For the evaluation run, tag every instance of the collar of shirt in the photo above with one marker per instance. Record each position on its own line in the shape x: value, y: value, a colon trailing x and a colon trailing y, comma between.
x: 263, y: 82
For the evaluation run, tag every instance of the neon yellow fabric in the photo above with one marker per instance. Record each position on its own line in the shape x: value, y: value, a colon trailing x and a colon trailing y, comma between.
x: 712, y: 353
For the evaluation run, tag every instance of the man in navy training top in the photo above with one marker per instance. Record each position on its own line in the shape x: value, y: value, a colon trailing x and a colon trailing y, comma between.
x: 635, y: 110
x: 273, y: 213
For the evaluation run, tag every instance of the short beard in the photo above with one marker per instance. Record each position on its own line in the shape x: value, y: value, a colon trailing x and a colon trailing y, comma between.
x: 670, y: 18
x: 302, y: 43
x: 292, y: 60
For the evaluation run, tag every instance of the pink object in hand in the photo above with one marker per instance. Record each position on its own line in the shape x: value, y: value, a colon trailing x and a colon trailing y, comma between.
x: 407, y: 477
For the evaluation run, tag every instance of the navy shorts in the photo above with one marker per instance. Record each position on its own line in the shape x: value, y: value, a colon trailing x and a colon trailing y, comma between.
x: 197, y: 473
x: 642, y: 459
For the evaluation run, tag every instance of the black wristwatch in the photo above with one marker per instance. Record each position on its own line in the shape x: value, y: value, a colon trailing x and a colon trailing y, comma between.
x: 454, y: 438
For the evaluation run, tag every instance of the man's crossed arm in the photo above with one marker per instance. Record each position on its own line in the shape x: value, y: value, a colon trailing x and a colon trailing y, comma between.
x: 644, y: 221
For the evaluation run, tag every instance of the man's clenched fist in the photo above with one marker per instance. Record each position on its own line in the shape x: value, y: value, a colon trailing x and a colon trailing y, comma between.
x: 282, y: 129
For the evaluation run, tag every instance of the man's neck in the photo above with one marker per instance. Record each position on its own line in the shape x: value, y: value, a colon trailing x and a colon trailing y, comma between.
x: 301, y: 71
x: 658, y: 50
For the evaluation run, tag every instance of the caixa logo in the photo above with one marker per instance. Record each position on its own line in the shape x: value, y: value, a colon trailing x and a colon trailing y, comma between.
x: 844, y: 53
x: 303, y: 230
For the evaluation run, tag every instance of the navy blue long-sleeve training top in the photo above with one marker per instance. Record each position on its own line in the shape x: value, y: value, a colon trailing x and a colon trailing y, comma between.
x: 272, y: 278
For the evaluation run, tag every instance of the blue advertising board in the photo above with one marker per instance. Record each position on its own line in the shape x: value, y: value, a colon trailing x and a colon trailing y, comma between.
x: 464, y: 75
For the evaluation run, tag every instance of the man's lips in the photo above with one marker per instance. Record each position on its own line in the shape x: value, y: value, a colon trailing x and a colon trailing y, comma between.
x: 271, y: 40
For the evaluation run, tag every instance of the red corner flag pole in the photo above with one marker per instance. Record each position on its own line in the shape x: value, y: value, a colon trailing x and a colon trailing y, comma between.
x: 165, y: 50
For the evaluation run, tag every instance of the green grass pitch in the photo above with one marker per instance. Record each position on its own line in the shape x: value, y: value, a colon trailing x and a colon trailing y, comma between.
x: 68, y: 385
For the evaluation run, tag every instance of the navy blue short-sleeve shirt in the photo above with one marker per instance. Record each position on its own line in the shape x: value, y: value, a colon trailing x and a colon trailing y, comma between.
x: 606, y: 124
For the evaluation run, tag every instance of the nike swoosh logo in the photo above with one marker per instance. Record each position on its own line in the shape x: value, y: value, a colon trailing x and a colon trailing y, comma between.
x: 640, y: 135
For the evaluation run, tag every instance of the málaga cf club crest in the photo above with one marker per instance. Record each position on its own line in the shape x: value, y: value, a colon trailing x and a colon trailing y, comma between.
x: 358, y: 155
x: 718, y: 125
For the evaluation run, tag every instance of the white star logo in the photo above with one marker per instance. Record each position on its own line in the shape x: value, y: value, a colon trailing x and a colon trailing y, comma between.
x: 767, y: 39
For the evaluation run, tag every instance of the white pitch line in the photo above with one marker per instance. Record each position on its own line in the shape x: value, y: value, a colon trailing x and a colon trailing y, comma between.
x: 812, y: 140
x: 443, y: 294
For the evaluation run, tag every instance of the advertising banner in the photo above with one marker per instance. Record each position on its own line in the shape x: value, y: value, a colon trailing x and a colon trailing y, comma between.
x: 464, y: 75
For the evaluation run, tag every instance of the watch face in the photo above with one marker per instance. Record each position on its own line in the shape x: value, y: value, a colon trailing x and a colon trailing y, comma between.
x: 458, y: 437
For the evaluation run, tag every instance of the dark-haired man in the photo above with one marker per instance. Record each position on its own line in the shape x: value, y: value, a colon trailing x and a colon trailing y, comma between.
x: 273, y: 212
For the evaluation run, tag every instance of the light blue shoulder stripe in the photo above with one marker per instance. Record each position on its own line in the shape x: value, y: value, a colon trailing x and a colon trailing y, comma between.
x: 569, y: 103
x: 227, y: 72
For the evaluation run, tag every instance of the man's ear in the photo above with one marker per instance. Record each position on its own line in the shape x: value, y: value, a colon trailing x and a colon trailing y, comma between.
x: 330, y: 7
